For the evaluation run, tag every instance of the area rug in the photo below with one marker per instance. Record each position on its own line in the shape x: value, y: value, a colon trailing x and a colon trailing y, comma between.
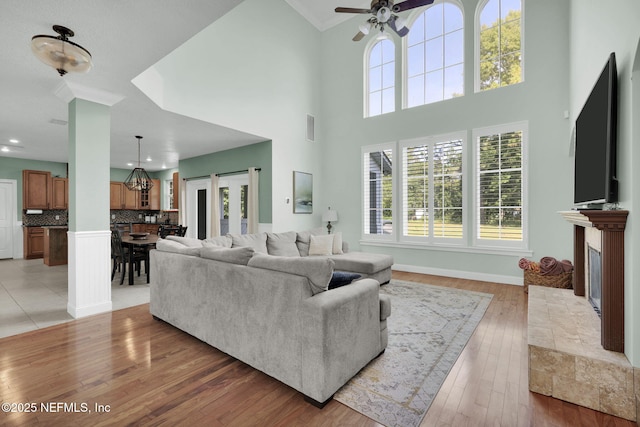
x: 428, y: 328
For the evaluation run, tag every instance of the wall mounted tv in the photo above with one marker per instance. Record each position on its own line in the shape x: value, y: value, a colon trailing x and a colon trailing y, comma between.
x: 595, y: 143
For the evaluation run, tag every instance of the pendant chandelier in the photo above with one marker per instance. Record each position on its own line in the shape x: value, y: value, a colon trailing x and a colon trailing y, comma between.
x: 61, y: 53
x: 138, y: 179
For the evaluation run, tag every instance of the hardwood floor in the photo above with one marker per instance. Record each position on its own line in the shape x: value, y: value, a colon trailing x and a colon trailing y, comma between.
x: 145, y: 372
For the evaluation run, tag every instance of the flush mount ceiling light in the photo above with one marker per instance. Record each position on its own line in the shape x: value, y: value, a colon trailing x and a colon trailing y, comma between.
x: 61, y: 53
x: 138, y: 179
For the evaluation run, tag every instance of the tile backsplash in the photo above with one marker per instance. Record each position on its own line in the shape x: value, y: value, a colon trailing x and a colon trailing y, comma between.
x: 48, y: 217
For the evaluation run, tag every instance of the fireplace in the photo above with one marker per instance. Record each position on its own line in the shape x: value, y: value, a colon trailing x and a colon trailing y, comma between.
x: 599, y: 234
x: 595, y: 278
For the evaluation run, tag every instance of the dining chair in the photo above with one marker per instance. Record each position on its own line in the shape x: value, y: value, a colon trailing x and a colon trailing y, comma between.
x: 120, y: 257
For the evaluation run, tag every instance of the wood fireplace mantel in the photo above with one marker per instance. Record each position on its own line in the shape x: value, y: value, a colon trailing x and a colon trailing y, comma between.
x: 611, y: 224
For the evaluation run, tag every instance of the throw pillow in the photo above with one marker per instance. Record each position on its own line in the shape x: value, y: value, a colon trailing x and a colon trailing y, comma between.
x: 220, y: 241
x: 256, y: 241
x: 304, y: 237
x: 341, y: 278
x: 240, y: 255
x: 282, y: 244
x: 186, y: 241
x: 321, y: 245
x: 337, y: 243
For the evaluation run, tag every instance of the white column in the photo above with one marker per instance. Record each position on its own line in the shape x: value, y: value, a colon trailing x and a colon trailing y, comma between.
x: 89, y: 238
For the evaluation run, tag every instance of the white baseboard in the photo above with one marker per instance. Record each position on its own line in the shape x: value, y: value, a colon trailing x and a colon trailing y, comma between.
x: 459, y: 274
x: 89, y: 273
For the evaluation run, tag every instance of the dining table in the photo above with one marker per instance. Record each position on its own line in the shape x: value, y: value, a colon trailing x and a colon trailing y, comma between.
x: 146, y: 243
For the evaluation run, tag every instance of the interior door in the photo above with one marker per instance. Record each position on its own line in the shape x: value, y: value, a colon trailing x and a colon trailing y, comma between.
x: 198, y: 208
x: 7, y: 207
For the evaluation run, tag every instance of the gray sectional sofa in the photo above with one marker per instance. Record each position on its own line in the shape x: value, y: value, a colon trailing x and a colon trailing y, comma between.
x: 255, y: 299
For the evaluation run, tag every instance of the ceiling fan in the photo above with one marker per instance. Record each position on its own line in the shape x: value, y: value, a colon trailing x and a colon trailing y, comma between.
x: 383, y: 13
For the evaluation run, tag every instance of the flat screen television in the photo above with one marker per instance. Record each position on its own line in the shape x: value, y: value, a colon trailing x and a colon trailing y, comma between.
x: 595, y: 181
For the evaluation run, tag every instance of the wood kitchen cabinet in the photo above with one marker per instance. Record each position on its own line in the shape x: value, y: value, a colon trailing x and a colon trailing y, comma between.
x: 150, y: 199
x: 59, y: 193
x: 33, y: 242
x: 36, y: 189
x: 121, y: 197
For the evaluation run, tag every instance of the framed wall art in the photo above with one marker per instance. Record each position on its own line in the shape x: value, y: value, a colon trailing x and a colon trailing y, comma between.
x: 302, y: 193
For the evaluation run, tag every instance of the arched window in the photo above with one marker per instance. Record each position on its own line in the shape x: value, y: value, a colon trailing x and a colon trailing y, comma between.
x: 434, y: 68
x: 381, y: 76
x: 499, y: 43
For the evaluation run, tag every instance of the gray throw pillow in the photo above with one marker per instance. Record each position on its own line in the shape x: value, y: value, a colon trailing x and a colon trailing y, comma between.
x: 220, y: 241
x: 240, y: 255
x: 186, y: 241
x: 282, y: 244
x: 257, y: 241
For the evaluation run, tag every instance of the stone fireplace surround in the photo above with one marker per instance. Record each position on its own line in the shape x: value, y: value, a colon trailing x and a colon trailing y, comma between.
x: 573, y: 354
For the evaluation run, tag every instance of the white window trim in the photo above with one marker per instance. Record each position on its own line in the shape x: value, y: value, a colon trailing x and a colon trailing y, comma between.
x: 413, y: 16
x: 430, y: 240
x: 367, y: 57
x: 492, y: 130
x: 476, y: 58
x: 394, y: 173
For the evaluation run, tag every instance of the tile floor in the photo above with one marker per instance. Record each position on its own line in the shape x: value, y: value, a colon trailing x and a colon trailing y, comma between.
x: 34, y: 295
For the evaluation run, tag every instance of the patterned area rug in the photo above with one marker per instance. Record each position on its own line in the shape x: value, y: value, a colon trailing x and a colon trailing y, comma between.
x: 428, y: 328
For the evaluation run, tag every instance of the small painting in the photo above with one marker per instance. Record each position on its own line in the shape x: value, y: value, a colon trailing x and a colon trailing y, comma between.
x: 302, y: 193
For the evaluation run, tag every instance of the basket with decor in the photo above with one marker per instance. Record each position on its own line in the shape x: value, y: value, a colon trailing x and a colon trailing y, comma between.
x: 548, y: 272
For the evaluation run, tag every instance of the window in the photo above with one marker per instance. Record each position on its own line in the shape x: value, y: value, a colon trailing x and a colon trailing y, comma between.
x: 435, y: 55
x: 432, y: 188
x: 381, y: 77
x: 500, y: 176
x: 499, y: 44
x: 430, y: 205
x: 378, y: 191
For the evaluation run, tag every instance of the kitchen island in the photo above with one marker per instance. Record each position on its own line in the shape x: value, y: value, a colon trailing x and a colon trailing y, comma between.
x: 55, y: 244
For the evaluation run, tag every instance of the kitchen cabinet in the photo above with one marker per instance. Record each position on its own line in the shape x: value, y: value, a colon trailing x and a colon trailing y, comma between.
x: 41, y: 191
x: 120, y: 197
x: 33, y: 242
x: 123, y: 198
x: 59, y: 193
x: 150, y: 199
x: 36, y: 189
x: 176, y: 189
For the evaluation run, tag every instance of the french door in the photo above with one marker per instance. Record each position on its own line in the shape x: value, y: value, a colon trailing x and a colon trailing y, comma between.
x: 233, y: 191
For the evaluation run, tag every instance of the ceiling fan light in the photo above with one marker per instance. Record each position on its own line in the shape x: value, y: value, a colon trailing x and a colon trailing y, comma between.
x: 400, y: 22
x: 365, y: 28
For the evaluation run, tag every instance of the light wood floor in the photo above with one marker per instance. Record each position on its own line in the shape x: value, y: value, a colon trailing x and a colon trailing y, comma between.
x: 145, y: 372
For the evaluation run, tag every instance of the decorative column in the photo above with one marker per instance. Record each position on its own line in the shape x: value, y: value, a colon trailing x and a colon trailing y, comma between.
x: 89, y: 239
x: 612, y: 225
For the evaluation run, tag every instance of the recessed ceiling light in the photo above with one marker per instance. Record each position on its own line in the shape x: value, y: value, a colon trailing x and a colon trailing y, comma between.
x: 129, y: 164
x: 164, y: 166
x: 14, y: 141
x: 4, y: 149
x: 148, y: 158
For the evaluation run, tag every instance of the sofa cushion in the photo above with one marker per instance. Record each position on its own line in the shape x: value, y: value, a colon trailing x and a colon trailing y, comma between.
x: 362, y: 262
x: 282, y: 244
x: 303, y: 239
x: 257, y: 241
x: 186, y: 241
x: 166, y: 245
x: 341, y: 278
x: 220, y: 241
x: 321, y: 245
x: 240, y: 255
x: 317, y: 270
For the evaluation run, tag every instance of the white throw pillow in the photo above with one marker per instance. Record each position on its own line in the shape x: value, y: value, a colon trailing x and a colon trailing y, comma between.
x: 321, y: 245
x: 337, y: 243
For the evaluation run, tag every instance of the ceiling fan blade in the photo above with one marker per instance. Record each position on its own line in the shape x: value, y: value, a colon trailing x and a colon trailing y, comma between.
x: 401, y: 32
x: 358, y: 36
x: 410, y: 4
x: 351, y: 10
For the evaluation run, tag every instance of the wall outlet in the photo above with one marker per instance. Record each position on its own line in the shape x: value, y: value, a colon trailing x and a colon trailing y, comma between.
x: 113, y: 216
x: 139, y: 216
x: 57, y: 217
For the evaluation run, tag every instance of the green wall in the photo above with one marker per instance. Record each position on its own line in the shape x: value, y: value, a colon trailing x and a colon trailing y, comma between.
x: 541, y: 100
x: 255, y: 155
